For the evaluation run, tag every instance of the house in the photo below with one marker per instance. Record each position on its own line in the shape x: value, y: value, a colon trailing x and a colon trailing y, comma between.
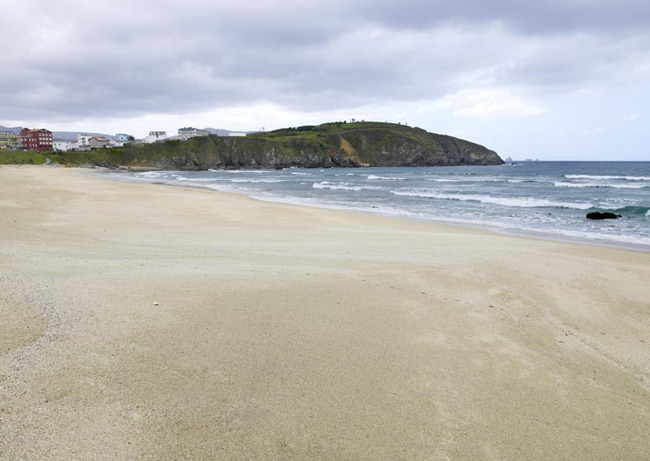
x: 236, y: 133
x: 61, y: 145
x: 121, y: 137
x: 83, y: 140
x: 37, y: 139
x: 155, y: 136
x: 9, y: 140
x: 98, y: 142
x: 189, y: 132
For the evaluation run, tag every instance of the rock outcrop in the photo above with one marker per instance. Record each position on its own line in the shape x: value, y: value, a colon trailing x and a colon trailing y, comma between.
x: 597, y: 215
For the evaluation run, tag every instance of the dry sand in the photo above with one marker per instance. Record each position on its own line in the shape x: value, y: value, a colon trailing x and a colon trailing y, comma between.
x: 285, y: 332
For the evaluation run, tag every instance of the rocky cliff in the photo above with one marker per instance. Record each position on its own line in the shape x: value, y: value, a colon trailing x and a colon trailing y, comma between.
x: 322, y: 146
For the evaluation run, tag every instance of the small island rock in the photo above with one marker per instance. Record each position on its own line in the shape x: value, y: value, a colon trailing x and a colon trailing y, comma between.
x: 597, y: 215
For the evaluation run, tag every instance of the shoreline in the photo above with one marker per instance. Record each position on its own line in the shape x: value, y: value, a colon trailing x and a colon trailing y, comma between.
x: 515, y: 232
x: 148, y: 322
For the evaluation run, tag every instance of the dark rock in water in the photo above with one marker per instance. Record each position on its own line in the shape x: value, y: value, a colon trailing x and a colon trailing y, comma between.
x: 598, y: 215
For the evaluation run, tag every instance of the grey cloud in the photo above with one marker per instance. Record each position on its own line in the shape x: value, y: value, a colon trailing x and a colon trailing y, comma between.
x: 129, y: 58
x: 536, y: 16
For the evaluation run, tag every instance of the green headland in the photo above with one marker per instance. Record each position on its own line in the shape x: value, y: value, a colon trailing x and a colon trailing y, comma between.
x: 337, y: 144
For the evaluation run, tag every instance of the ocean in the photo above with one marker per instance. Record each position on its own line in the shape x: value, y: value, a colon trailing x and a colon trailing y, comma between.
x: 544, y: 199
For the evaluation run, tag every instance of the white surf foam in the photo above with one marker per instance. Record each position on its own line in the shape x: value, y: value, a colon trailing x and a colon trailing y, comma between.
x: 149, y: 174
x: 588, y: 176
x: 598, y: 185
x: 390, y: 178
x: 342, y: 186
x: 183, y: 178
x: 467, y: 179
x: 518, y: 202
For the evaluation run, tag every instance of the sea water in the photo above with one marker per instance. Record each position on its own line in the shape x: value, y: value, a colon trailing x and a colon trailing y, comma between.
x: 547, y: 199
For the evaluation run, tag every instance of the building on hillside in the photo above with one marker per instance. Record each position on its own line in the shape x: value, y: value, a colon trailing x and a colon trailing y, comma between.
x: 61, y: 145
x: 37, y: 139
x: 83, y: 139
x: 9, y: 140
x: 236, y: 133
x: 189, y: 132
x: 155, y: 136
x: 98, y: 142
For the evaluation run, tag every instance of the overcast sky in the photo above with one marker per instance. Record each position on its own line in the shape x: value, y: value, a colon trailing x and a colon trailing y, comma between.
x: 553, y: 79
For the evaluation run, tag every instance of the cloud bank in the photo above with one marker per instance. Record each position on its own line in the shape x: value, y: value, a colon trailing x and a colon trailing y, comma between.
x: 75, y: 59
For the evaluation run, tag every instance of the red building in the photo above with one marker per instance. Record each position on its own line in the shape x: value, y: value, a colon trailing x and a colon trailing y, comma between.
x: 38, y: 140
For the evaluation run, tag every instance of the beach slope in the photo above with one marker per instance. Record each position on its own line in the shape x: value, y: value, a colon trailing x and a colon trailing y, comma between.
x: 145, y: 321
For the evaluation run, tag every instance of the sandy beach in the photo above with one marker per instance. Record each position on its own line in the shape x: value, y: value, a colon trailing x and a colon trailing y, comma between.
x: 143, y: 321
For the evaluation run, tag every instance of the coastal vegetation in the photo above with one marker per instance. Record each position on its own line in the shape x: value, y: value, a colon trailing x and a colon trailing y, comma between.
x: 337, y: 144
x: 72, y: 158
x: 22, y: 157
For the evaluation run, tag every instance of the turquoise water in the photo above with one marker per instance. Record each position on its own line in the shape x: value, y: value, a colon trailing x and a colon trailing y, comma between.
x: 543, y: 198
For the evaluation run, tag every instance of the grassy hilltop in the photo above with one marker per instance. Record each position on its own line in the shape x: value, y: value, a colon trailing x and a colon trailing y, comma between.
x: 321, y: 146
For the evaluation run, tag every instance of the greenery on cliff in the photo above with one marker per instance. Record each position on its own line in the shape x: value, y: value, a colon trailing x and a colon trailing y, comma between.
x: 321, y: 146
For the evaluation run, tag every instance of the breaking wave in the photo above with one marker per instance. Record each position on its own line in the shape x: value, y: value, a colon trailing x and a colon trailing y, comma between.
x: 518, y: 202
x: 391, y: 178
x: 342, y: 186
x: 603, y: 185
x: 183, y: 178
x: 631, y: 211
x: 469, y: 179
x: 588, y: 176
x: 149, y: 174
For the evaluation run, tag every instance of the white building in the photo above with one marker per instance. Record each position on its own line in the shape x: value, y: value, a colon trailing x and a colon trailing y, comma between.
x: 155, y: 136
x: 236, y: 133
x: 61, y: 145
x: 189, y: 132
x: 83, y: 139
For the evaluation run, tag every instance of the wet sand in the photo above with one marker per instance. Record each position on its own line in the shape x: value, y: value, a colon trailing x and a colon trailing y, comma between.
x: 145, y: 321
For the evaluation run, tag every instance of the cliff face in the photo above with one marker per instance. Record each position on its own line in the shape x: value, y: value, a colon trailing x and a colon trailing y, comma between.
x: 404, y: 146
x: 323, y: 146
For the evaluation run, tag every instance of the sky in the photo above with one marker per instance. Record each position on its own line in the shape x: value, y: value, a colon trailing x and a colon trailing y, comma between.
x: 550, y: 79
